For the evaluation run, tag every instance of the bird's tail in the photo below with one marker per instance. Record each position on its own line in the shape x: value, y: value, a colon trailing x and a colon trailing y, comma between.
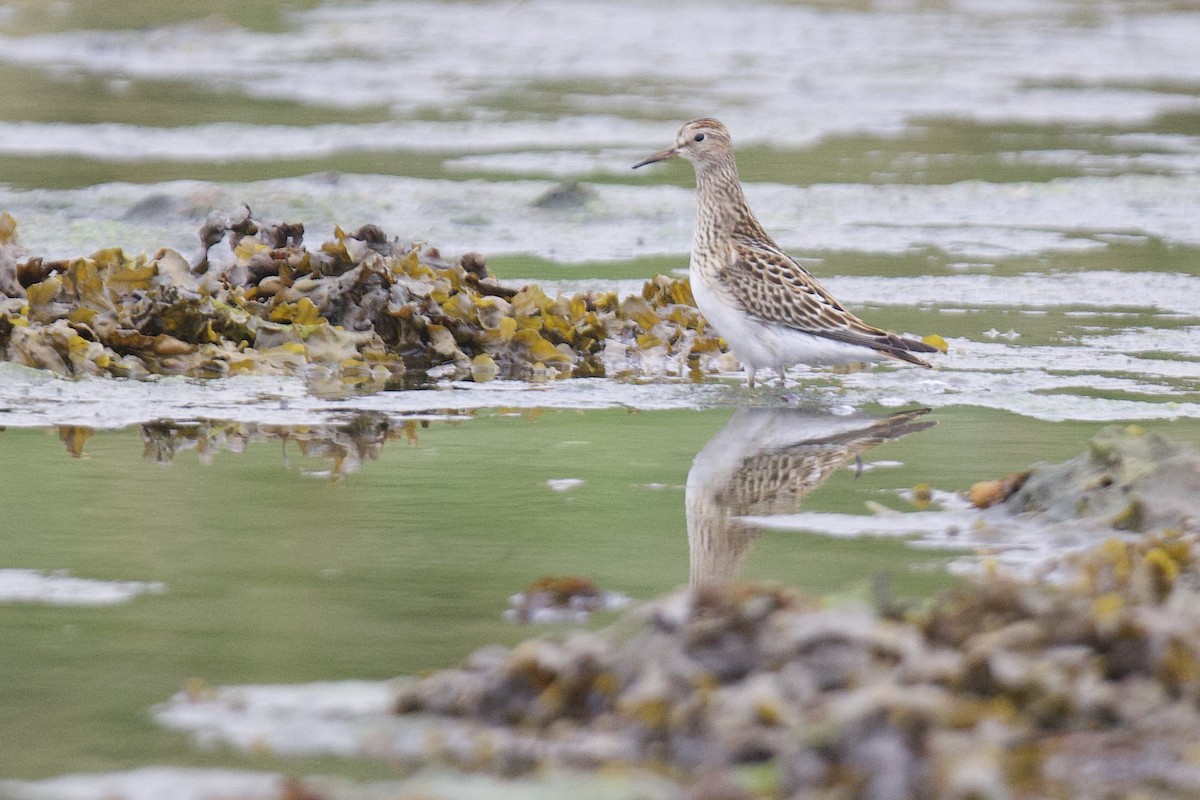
x: 902, y: 349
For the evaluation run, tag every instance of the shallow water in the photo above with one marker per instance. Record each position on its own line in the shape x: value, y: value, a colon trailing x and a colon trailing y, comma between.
x: 380, y: 546
x: 368, y: 549
x: 1022, y: 180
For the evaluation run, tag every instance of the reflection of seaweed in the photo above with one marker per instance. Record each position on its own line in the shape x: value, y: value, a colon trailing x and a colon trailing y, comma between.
x: 345, y: 446
x: 765, y: 461
x: 74, y: 437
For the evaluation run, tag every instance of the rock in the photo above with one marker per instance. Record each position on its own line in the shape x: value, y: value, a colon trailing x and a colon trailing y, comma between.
x: 475, y: 264
x: 566, y: 196
x: 1136, y: 480
x: 157, y: 206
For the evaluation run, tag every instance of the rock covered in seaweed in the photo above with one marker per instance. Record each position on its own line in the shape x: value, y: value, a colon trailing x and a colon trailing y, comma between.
x: 361, y: 308
x: 1130, y: 478
x: 1000, y: 688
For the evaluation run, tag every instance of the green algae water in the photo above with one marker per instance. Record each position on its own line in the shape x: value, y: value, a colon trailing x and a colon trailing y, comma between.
x: 276, y: 571
x: 285, y: 560
x: 1022, y: 181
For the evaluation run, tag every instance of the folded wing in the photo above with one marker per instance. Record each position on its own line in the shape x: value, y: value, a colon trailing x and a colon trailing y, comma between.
x: 767, y: 280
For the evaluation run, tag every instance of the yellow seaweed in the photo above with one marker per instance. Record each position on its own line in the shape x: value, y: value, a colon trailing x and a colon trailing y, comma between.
x: 638, y: 310
x: 85, y: 279
x: 483, y: 368
x: 127, y: 277
x: 8, y: 228
x: 933, y: 340
x: 40, y: 294
x: 74, y: 437
x: 507, y: 329
x: 541, y: 350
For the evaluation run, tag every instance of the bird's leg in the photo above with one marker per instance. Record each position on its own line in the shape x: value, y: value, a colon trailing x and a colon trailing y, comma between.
x: 782, y: 370
x: 750, y: 376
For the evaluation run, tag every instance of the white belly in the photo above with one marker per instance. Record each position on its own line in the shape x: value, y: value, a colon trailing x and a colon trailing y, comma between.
x: 764, y: 344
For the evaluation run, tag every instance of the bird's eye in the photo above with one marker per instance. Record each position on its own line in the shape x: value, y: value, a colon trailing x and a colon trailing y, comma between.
x: 699, y: 137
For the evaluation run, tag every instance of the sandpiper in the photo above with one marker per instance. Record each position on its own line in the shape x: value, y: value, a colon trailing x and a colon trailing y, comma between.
x: 769, y: 310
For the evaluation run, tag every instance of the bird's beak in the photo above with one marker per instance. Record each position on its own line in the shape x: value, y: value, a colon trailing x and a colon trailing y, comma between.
x: 661, y: 155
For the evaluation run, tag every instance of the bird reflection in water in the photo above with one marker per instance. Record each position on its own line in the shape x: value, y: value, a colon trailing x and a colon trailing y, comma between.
x: 765, y: 461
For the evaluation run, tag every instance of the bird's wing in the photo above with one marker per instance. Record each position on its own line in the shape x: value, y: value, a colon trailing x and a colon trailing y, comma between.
x: 775, y: 479
x: 772, y: 286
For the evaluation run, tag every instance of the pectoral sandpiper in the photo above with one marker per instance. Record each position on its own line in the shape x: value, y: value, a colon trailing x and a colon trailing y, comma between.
x: 767, y: 307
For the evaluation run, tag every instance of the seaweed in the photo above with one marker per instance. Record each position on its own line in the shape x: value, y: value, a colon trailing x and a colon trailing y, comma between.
x: 361, y: 308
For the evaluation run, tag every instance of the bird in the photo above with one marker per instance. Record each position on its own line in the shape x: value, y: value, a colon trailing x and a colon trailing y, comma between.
x: 771, y: 312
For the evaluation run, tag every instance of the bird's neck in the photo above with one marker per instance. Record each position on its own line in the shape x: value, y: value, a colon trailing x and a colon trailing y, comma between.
x: 721, y: 207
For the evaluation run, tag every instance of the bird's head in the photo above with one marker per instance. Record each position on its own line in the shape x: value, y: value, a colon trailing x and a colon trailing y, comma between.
x: 703, y: 142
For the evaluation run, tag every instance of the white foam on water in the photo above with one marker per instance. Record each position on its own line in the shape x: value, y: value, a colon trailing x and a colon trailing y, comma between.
x: 846, y: 71
x: 62, y: 589
x: 191, y: 783
x: 344, y: 718
x: 112, y: 141
x: 968, y: 219
x: 1022, y: 543
x: 560, y: 163
x: 357, y: 719
x: 797, y: 72
x: 150, y: 783
x: 31, y: 398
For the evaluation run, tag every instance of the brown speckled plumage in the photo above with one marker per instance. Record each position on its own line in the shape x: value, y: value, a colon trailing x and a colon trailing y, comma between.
x: 765, y: 462
x: 773, y: 479
x: 768, y: 283
x: 746, y: 273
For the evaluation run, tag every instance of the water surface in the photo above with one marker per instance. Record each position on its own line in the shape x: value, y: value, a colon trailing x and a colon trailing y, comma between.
x: 1020, y: 179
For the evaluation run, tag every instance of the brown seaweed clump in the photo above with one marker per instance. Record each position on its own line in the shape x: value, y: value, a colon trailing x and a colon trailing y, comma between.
x: 360, y: 309
x: 999, y: 689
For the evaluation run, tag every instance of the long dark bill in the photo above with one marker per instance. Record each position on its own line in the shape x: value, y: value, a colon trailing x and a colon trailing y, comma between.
x: 661, y: 155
